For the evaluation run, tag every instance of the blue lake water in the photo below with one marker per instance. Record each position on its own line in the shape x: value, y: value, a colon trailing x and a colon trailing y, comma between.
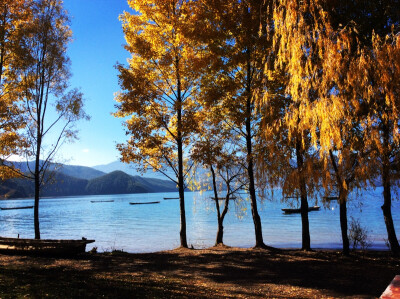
x: 155, y: 227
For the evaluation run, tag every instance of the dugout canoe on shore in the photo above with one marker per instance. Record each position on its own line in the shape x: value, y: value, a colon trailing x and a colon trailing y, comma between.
x: 17, y: 208
x: 43, y: 246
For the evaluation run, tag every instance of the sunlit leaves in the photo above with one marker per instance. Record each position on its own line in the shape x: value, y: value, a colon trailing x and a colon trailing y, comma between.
x: 160, y: 83
x: 14, y: 18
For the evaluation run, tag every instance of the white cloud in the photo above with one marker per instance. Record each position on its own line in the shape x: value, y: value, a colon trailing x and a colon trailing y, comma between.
x: 85, y: 150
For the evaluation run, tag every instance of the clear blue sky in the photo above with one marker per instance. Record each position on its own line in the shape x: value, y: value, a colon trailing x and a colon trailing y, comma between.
x: 97, y: 47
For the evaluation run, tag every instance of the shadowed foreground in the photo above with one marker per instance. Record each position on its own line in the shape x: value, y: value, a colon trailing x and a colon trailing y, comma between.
x: 211, y: 273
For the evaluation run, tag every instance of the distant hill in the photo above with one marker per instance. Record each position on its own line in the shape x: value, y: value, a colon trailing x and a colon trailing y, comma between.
x: 81, y: 172
x: 116, y: 182
x: 131, y: 169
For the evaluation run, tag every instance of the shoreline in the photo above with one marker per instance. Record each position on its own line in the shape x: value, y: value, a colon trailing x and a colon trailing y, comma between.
x: 216, y: 272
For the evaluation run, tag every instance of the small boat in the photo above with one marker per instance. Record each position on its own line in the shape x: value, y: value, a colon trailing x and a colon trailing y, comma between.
x: 294, y: 211
x: 43, y: 246
x: 167, y: 198
x: 144, y: 203
x: 93, y: 201
x: 17, y: 208
x: 223, y: 198
x: 331, y: 197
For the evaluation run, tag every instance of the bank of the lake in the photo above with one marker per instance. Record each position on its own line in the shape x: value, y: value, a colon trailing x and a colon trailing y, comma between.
x: 209, y: 273
x: 115, y: 224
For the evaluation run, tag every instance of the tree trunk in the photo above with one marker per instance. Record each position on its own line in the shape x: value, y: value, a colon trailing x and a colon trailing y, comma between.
x: 181, y: 182
x: 181, y: 186
x: 387, y: 196
x: 36, y: 208
x: 306, y: 243
x: 250, y: 160
x: 342, y: 205
x: 343, y: 222
x: 37, y: 189
x: 220, y: 232
x: 250, y: 173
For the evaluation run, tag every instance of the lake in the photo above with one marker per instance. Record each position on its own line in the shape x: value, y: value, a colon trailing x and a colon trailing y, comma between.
x: 147, y: 228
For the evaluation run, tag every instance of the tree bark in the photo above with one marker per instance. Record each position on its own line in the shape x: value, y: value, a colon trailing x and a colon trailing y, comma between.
x: 306, y: 242
x: 250, y: 161
x: 387, y: 196
x: 37, y: 186
x: 220, y: 231
x: 181, y: 183
x: 343, y: 222
x: 342, y: 206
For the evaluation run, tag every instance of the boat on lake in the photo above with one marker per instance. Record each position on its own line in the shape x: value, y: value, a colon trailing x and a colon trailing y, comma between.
x: 223, y: 198
x: 17, y: 208
x: 43, y: 246
x: 93, y: 201
x: 144, y: 203
x: 294, y: 211
x: 331, y: 197
x: 167, y: 198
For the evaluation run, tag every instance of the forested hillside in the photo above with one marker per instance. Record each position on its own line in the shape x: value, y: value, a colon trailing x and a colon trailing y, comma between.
x: 61, y: 184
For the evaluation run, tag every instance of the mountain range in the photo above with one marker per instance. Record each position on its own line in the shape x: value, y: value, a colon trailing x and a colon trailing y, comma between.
x: 73, y: 180
x: 130, y: 169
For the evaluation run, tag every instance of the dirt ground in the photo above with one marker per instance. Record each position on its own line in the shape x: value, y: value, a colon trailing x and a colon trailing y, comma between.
x: 218, y: 272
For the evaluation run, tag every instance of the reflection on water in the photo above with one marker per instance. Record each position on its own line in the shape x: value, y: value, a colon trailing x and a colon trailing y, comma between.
x: 155, y: 227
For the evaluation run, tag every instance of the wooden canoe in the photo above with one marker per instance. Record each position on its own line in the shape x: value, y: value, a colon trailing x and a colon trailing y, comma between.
x: 144, y: 203
x: 17, y: 208
x: 294, y: 211
x: 43, y: 246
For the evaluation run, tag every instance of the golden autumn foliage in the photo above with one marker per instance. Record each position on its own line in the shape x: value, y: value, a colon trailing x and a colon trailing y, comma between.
x: 161, y: 80
x: 235, y: 34
x: 160, y: 88
x: 305, y: 92
x: 339, y: 59
x: 14, y: 16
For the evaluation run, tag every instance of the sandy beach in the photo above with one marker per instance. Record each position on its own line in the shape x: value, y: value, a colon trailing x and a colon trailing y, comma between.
x: 218, y: 272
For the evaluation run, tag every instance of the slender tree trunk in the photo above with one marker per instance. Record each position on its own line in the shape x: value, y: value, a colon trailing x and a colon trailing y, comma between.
x: 306, y: 243
x: 37, y: 187
x: 250, y: 173
x: 181, y: 182
x: 342, y: 206
x: 387, y: 197
x: 250, y: 161
x: 343, y: 222
x: 220, y: 232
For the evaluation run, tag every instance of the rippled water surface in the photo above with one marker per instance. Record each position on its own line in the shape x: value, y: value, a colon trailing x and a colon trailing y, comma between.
x: 155, y: 227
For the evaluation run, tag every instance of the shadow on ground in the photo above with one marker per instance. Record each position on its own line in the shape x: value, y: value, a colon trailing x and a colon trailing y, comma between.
x: 211, y: 273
